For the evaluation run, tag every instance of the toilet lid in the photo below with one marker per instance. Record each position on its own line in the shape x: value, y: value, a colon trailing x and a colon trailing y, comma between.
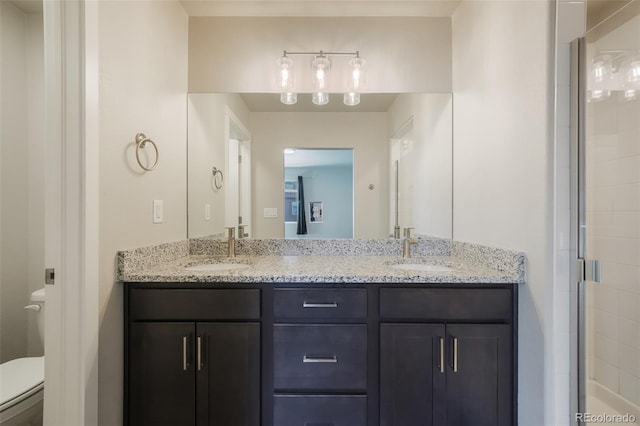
x: 19, y: 376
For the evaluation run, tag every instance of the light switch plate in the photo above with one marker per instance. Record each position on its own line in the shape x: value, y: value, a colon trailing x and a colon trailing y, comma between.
x: 270, y: 212
x: 158, y: 211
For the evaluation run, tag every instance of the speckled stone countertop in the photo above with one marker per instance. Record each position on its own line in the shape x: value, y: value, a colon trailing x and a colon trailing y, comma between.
x: 461, y: 263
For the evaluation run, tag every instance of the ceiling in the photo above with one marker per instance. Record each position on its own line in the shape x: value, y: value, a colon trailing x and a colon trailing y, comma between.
x: 320, y: 8
x: 29, y: 6
x: 319, y: 158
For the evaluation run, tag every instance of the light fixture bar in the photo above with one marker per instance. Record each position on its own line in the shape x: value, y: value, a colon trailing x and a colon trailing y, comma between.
x: 322, y: 53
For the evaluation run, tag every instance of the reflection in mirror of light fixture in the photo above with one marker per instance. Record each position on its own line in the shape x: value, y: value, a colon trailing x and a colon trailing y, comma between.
x: 320, y: 66
x: 598, y: 95
x: 602, y: 69
x: 288, y: 98
x: 629, y: 95
x: 289, y: 150
x: 633, y: 71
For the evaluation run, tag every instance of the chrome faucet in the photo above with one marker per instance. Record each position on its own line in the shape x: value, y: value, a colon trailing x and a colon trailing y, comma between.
x: 407, y: 242
x: 241, y: 233
x: 231, y: 242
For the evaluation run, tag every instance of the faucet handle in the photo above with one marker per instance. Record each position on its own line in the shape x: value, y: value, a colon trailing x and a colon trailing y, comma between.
x: 407, y: 232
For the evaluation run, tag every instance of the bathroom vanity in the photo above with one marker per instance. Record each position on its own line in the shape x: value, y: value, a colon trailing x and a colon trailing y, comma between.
x: 319, y: 347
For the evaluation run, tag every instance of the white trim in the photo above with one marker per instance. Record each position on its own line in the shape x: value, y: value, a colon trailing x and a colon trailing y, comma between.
x: 231, y: 197
x: 71, y: 327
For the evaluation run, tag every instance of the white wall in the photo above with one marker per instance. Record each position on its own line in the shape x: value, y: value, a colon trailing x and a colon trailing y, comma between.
x: 206, y: 149
x: 143, y: 85
x: 366, y: 133
x: 22, y: 170
x: 239, y: 54
x: 431, y: 157
x: 502, y: 60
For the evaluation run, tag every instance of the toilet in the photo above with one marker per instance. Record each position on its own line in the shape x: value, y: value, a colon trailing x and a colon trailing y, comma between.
x: 22, y: 379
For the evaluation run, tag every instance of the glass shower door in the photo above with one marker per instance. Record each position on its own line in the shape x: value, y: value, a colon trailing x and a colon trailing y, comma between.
x: 609, y: 221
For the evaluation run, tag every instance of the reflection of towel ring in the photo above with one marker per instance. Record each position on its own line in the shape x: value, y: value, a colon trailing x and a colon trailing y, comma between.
x: 217, y: 173
x: 141, y: 142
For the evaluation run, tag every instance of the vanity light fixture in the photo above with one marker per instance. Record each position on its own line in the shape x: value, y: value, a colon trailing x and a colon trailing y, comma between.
x: 320, y: 66
x: 615, y: 70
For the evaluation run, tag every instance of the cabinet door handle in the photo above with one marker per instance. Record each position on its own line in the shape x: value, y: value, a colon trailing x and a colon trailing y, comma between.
x: 199, y: 353
x: 455, y: 354
x: 442, y: 354
x: 333, y: 359
x: 185, y: 364
x: 306, y: 304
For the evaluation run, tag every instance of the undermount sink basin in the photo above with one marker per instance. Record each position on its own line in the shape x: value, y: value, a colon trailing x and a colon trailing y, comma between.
x: 422, y: 267
x: 217, y: 267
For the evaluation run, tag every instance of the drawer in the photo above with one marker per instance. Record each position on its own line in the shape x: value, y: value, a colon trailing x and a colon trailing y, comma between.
x: 320, y: 303
x: 194, y: 304
x: 320, y: 410
x: 320, y: 357
x: 446, y: 304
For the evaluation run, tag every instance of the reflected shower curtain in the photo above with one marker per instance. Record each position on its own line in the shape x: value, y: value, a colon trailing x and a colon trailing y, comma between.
x: 302, y: 219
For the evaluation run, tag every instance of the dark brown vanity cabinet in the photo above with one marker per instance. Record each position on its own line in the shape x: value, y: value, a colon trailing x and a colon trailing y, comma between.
x: 447, y: 357
x: 320, y: 354
x: 191, y: 366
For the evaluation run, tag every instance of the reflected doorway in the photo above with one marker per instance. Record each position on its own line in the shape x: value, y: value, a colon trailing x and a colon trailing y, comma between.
x: 318, y: 193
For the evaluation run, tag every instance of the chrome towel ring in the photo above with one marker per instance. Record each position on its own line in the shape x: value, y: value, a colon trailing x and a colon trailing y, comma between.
x: 141, y: 142
x: 217, y: 173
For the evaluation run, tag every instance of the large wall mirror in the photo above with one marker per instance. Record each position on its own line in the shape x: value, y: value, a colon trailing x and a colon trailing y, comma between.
x: 401, y: 172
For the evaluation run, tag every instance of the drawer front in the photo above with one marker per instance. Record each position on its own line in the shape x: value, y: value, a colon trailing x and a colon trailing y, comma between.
x: 320, y: 303
x: 446, y: 304
x: 324, y: 410
x: 194, y: 304
x: 320, y: 357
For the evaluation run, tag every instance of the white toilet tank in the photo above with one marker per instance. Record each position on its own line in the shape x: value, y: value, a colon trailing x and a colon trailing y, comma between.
x: 37, y: 305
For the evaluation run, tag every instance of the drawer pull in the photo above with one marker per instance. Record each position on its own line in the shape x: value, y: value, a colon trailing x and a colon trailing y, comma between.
x: 319, y: 305
x: 185, y: 364
x: 442, y: 355
x: 318, y: 424
x: 330, y: 359
x: 455, y: 354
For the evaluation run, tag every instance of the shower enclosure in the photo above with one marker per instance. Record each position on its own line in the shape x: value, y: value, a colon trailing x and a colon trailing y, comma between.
x: 606, y: 164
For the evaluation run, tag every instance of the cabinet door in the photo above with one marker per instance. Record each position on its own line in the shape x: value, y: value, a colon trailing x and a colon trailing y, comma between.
x: 228, y: 374
x: 412, y: 382
x: 479, y: 378
x: 161, y: 376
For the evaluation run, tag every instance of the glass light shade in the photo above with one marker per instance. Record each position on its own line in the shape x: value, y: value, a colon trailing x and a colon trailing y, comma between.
x: 320, y: 66
x: 284, y: 74
x: 320, y: 98
x: 629, y: 95
x: 351, y: 98
x: 602, y: 69
x: 598, y: 95
x: 288, y: 98
x: 633, y: 72
x: 356, y: 74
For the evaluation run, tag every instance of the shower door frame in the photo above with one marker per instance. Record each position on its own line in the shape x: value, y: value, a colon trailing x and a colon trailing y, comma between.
x: 578, y: 227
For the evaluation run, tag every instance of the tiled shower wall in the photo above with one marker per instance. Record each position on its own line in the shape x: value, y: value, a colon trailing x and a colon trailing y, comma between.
x: 613, y: 229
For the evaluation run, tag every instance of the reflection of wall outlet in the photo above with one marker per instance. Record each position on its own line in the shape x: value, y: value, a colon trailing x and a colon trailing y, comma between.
x: 207, y: 211
x: 271, y: 212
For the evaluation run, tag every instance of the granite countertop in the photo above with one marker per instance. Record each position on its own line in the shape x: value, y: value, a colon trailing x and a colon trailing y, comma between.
x: 323, y: 269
